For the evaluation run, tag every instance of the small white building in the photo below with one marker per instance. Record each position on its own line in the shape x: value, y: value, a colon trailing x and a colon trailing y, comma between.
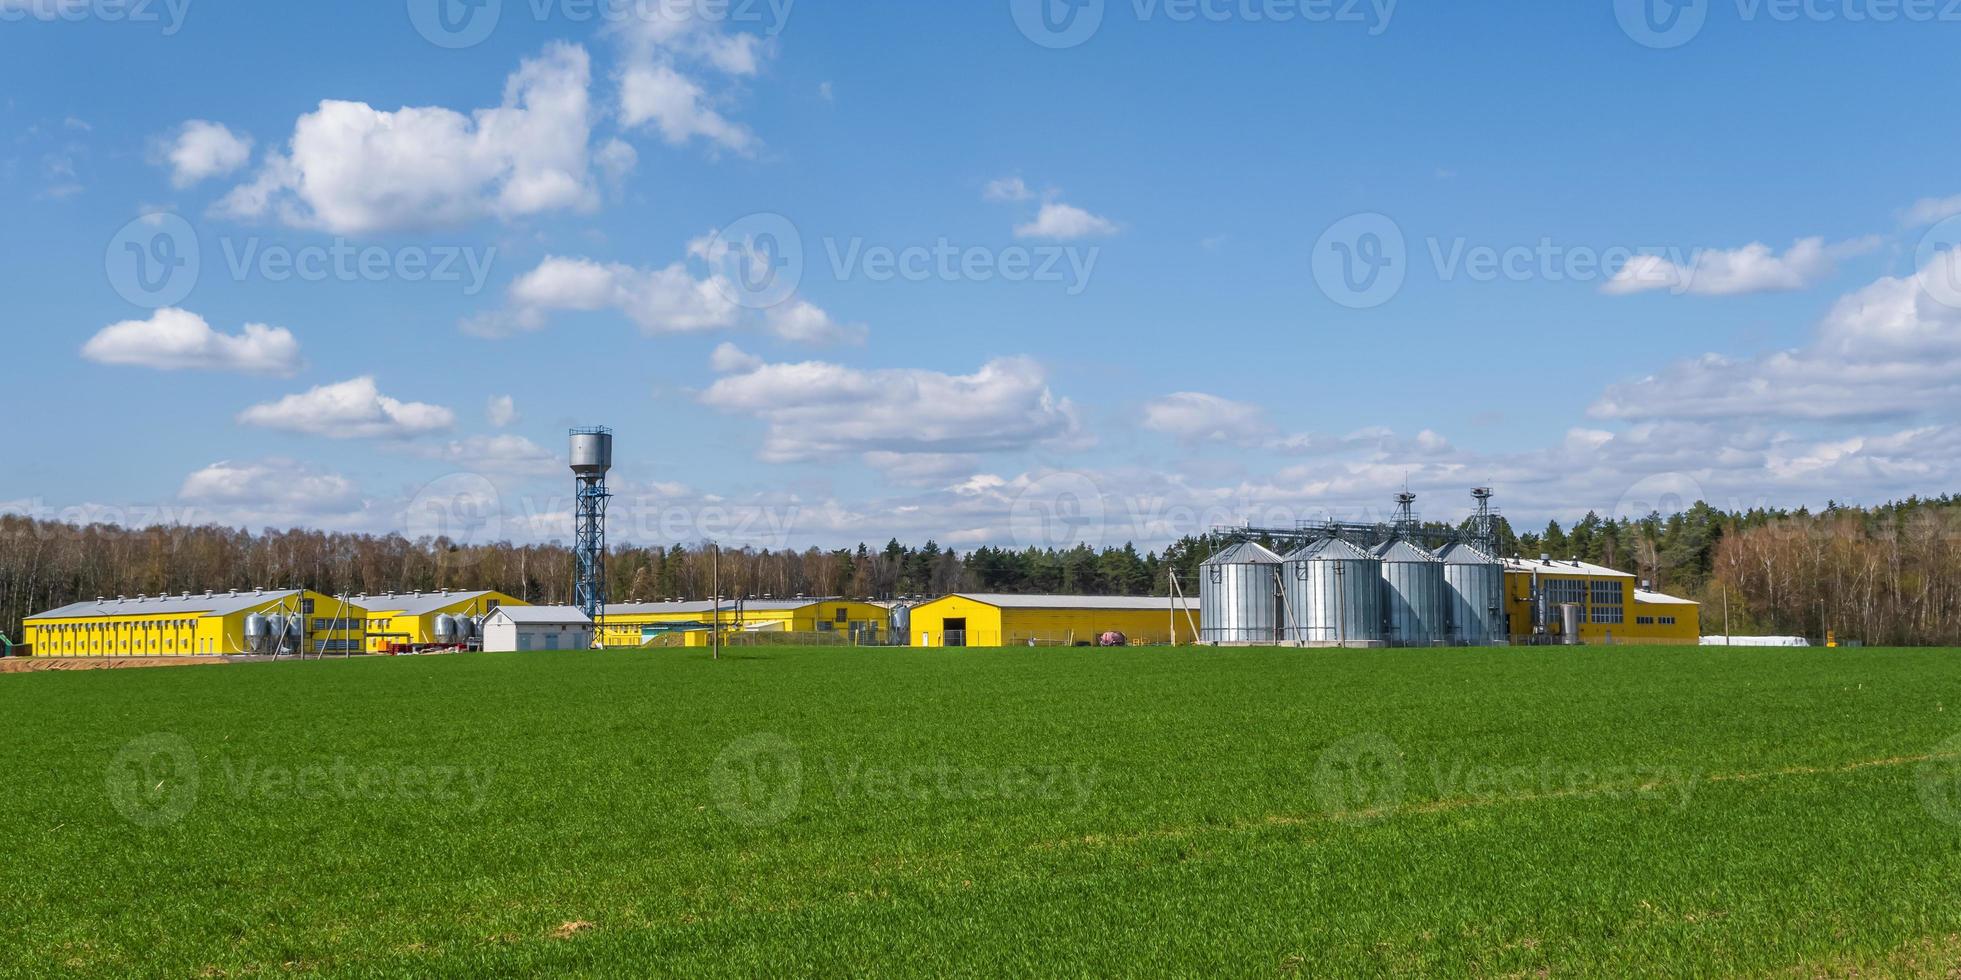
x: 521, y: 629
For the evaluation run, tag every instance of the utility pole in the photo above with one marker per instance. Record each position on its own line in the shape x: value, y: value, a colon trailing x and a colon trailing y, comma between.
x: 715, y: 586
x: 1726, y: 614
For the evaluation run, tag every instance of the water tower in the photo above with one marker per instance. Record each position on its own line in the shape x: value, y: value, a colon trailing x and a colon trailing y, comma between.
x: 592, y: 457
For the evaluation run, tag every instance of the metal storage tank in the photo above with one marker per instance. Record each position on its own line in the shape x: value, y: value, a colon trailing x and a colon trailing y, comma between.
x: 446, y: 629
x: 1475, y: 590
x: 1334, y: 595
x: 1414, y: 608
x: 258, y: 633
x: 1239, y: 597
x: 901, y: 624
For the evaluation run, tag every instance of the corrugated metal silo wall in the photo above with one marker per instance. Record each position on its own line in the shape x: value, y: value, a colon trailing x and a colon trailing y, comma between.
x: 1239, y: 603
x: 1413, y: 602
x: 1334, y: 601
x: 1477, y: 603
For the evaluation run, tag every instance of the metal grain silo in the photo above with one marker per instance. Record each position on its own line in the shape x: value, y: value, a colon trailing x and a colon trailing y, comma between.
x: 1474, y: 585
x: 1239, y: 596
x: 1334, y: 595
x: 1414, y: 608
x: 258, y: 634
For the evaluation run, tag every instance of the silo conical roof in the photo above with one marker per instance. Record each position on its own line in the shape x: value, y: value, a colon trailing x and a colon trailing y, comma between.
x: 1330, y: 549
x: 1465, y: 553
x: 1244, y: 553
x: 1403, y: 551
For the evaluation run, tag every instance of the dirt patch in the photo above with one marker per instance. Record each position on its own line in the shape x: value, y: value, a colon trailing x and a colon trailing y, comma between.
x: 30, y: 665
x: 570, y: 929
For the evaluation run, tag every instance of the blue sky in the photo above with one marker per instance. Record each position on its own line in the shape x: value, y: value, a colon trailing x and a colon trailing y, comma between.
x: 1147, y: 324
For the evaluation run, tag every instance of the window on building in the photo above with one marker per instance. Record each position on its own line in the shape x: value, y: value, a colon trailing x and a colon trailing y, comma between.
x: 1560, y: 591
x: 844, y: 614
x: 1668, y: 621
x: 1607, y: 604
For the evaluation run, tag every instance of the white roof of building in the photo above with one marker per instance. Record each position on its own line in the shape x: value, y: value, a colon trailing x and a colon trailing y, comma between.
x: 415, y: 603
x: 1562, y: 568
x: 1001, y: 601
x: 215, y: 604
x: 543, y: 615
x: 1658, y: 599
x: 707, y: 607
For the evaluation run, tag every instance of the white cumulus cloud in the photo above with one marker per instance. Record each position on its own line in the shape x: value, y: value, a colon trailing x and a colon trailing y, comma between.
x: 179, y: 340
x: 200, y: 150
x: 1888, y: 350
x: 1754, y: 268
x: 349, y: 410
x: 1194, y: 417
x: 1064, y: 222
x: 353, y: 169
x: 817, y: 410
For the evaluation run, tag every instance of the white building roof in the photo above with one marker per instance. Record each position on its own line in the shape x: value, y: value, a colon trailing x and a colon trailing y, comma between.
x: 215, y: 604
x: 415, y: 604
x: 543, y: 615
x: 1557, y: 567
x: 1646, y: 597
x: 1000, y: 601
x: 707, y: 607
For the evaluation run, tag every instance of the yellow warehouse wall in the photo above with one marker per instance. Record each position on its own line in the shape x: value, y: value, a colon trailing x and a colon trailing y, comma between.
x: 624, y: 629
x: 391, y: 626
x: 990, y: 626
x: 1518, y: 606
x: 186, y: 634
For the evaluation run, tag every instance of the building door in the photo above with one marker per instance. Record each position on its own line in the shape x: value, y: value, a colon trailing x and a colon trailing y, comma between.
x: 956, y: 632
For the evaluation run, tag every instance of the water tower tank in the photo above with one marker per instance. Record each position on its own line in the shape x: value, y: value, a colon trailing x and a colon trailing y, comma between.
x: 592, y: 452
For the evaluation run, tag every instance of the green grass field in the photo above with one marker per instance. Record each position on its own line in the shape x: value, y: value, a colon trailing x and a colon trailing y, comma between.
x: 1046, y: 812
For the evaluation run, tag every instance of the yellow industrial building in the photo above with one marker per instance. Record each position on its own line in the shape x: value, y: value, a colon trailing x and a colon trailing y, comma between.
x: 691, y: 623
x: 978, y: 620
x: 1612, y: 606
x: 414, y: 619
x: 212, y: 624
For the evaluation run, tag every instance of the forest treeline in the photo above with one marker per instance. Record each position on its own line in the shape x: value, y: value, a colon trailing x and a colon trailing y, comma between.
x: 1886, y: 574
